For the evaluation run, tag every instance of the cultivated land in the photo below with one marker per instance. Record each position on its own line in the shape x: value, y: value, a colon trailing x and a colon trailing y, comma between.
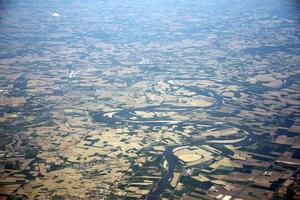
x: 148, y: 104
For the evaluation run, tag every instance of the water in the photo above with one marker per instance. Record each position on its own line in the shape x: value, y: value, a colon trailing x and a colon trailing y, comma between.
x: 67, y: 65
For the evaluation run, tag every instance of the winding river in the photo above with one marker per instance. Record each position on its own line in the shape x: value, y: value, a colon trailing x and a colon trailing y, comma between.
x: 124, y: 116
x: 162, y: 184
